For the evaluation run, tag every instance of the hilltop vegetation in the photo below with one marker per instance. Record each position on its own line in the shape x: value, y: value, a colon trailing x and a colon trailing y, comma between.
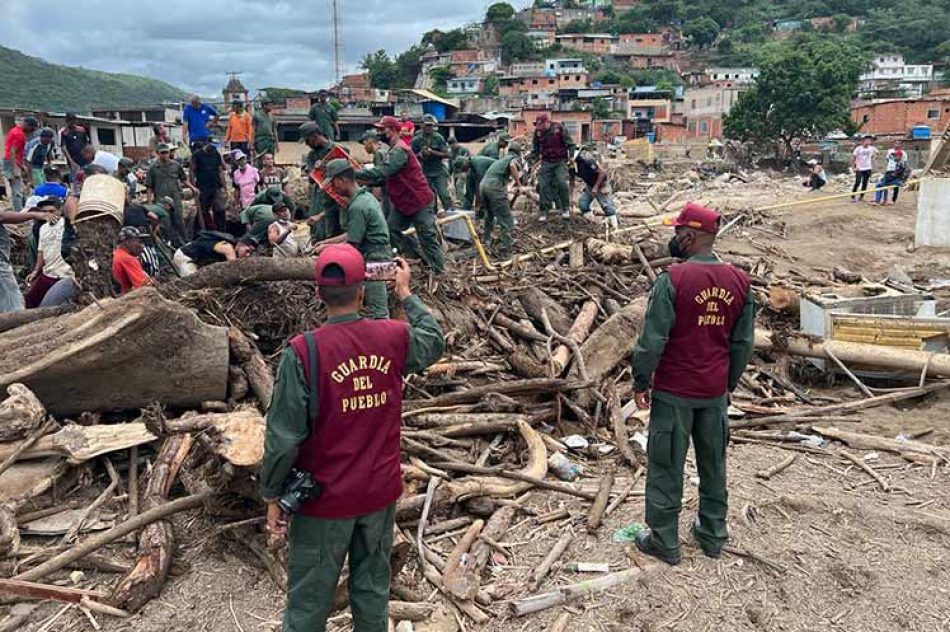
x: 31, y: 83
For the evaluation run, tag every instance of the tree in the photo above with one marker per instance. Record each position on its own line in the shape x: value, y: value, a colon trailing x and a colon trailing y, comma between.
x: 803, y: 91
x: 408, y: 65
x: 456, y: 39
x: 383, y: 74
x: 601, y: 108
x: 440, y: 76
x: 491, y: 86
x: 517, y: 46
x: 577, y: 26
x: 499, y: 12
x: 702, y: 32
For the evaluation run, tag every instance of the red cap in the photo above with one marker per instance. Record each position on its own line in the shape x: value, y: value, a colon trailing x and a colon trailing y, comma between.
x: 696, y: 216
x: 345, y: 256
x: 389, y: 122
x: 543, y: 116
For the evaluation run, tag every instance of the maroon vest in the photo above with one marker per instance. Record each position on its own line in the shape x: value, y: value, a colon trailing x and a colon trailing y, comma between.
x: 710, y: 298
x: 408, y: 188
x: 552, y: 145
x: 353, y: 448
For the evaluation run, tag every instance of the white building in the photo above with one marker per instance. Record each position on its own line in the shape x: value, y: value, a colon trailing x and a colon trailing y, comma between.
x: 564, y: 66
x: 889, y: 74
x: 738, y: 75
x: 464, y: 85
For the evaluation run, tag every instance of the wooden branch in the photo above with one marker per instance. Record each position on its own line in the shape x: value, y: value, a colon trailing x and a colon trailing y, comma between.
x: 259, y: 376
x: 578, y: 332
x: 21, y: 413
x: 12, y: 320
x: 33, y: 590
x: 638, y: 251
x: 867, y: 469
x: 539, y: 573
x: 517, y: 387
x: 619, y: 426
x: 119, y: 531
x: 82, y: 443
x: 516, y: 476
x: 560, y: 624
x: 906, y: 449
x: 543, y: 601
x: 455, y: 580
x: 26, y: 444
x: 522, y: 331
x: 775, y: 469
x: 98, y: 502
x: 622, y: 496
x: 596, y: 514
x: 464, y: 583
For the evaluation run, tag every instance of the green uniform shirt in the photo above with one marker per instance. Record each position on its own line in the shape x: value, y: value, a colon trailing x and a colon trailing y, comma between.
x: 271, y: 196
x: 287, y: 421
x: 477, y: 167
x: 431, y: 165
x: 165, y: 178
x: 379, y: 156
x: 324, y: 115
x: 499, y: 172
x: 366, y: 227
x: 491, y: 150
x: 395, y: 160
x: 259, y: 217
x: 659, y: 320
x: 263, y: 126
x: 158, y: 209
x: 319, y: 200
x: 457, y: 152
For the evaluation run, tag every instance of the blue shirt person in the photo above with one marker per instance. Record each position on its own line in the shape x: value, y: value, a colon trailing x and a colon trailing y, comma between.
x: 197, y: 117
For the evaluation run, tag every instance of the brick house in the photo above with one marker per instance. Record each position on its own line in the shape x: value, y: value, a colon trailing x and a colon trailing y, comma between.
x: 578, y: 124
x: 594, y: 43
x: 706, y: 107
x: 899, y: 116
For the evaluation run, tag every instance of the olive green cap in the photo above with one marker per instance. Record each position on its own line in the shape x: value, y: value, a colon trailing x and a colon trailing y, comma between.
x: 460, y: 163
x: 309, y: 129
x: 337, y: 167
x: 430, y: 119
x: 369, y: 134
x: 514, y: 147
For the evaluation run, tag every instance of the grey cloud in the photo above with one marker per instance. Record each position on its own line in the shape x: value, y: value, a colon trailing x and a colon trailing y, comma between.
x: 194, y: 43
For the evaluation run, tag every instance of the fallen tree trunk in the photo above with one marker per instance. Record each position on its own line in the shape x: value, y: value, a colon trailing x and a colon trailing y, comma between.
x: 463, y: 580
x: 117, y: 355
x: 241, y: 271
x: 157, y: 540
x: 535, y: 302
x: 20, y: 414
x: 578, y: 332
x: 12, y: 320
x: 856, y: 353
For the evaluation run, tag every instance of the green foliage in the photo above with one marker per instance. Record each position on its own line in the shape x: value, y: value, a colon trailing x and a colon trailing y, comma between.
x: 702, y: 31
x: 279, y: 94
x: 408, y: 65
x: 383, y: 74
x: 456, y: 39
x: 491, y: 86
x: 601, y: 108
x: 517, y: 46
x: 803, y: 91
x: 499, y: 12
x: 577, y: 26
x: 440, y: 76
x: 917, y: 29
x: 31, y: 83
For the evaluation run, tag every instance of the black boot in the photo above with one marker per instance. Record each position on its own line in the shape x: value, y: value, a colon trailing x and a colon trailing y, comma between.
x: 708, y: 550
x: 648, y: 546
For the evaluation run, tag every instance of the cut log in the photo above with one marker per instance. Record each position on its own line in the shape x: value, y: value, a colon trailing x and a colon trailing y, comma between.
x: 619, y: 425
x: 539, y: 573
x: 118, y: 354
x: 565, y: 594
x: 438, y: 421
x: 524, y: 331
x: 243, y: 271
x: 535, y: 302
x: 783, y: 299
x: 608, y: 252
x: 259, y: 376
x: 81, y: 443
x: 408, y: 611
x: 908, y: 448
x: 537, y: 386
x: 238, y: 436
x: 596, y: 515
x: 21, y: 413
x: 576, y: 260
x: 455, y: 580
x: 578, y: 332
x: 464, y: 581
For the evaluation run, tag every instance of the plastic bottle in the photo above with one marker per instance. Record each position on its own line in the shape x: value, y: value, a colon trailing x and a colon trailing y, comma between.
x: 562, y: 467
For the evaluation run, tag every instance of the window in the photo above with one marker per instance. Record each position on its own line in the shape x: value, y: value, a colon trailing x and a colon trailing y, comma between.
x: 703, y: 127
x: 693, y: 104
x: 932, y: 114
x: 534, y: 82
x: 866, y: 118
x: 105, y: 136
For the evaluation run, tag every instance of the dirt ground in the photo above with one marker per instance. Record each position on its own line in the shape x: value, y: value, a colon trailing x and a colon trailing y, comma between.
x: 829, y: 549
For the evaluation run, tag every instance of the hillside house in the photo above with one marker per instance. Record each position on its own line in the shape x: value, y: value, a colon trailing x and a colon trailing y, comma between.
x: 594, y: 43
x: 564, y: 66
x: 734, y: 75
x: 462, y: 86
x: 706, y: 107
x: 577, y: 124
x: 889, y: 76
x: 896, y: 117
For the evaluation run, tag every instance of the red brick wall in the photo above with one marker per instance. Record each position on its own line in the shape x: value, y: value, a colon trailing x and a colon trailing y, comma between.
x: 713, y: 127
x: 653, y: 40
x: 670, y: 133
x: 898, y: 117
x: 605, y: 130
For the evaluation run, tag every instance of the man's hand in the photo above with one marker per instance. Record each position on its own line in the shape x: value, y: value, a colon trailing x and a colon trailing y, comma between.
x: 642, y: 400
x: 276, y: 522
x: 39, y: 216
x: 314, y: 219
x: 32, y: 276
x: 403, y: 274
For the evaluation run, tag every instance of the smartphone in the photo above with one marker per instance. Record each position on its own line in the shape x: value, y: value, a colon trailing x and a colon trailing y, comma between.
x: 381, y: 271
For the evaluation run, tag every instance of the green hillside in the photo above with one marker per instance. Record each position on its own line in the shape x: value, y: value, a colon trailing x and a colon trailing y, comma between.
x: 31, y: 83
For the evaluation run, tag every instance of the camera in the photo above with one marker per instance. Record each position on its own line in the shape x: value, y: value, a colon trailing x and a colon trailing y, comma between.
x: 299, y: 488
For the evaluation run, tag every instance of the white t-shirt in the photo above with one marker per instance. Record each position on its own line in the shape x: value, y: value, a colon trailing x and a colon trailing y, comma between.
x: 50, y: 244
x: 893, y: 161
x: 109, y: 162
x: 864, y: 157
x: 289, y: 247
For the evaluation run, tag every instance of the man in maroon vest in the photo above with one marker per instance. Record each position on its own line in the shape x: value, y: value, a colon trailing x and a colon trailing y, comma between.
x: 553, y: 144
x: 696, y: 341
x: 409, y: 194
x: 336, y: 415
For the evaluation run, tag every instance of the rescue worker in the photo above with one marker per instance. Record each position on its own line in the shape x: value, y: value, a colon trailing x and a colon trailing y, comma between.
x: 410, y: 195
x: 323, y: 216
x: 552, y: 144
x: 473, y: 168
x: 697, y: 338
x: 432, y: 150
x: 336, y: 414
x: 165, y: 179
x: 456, y: 151
x: 493, y: 149
x: 366, y: 230
x: 378, y: 150
x: 265, y: 131
x: 494, y: 192
x: 325, y: 116
x: 258, y: 218
x: 596, y: 187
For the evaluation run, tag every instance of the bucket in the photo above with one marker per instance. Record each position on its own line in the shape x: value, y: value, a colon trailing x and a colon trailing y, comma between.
x: 101, y: 195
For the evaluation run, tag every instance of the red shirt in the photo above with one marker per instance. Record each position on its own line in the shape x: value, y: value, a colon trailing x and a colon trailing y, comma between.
x: 406, y: 129
x: 15, y: 144
x: 127, y: 270
x: 353, y: 448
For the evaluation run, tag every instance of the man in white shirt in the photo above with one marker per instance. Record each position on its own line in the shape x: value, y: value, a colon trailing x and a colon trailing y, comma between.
x: 52, y: 281
x: 109, y: 162
x: 862, y: 161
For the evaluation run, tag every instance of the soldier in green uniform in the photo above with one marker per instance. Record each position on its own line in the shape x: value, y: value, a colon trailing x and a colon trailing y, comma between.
x: 272, y: 196
x: 473, y: 168
x: 344, y: 432
x: 552, y: 144
x: 165, y: 179
x: 265, y: 132
x: 366, y: 230
x: 378, y: 150
x: 494, y: 192
x: 323, y: 216
x: 258, y: 218
x: 432, y: 150
x: 324, y: 115
x: 697, y: 337
x: 493, y: 149
x: 456, y: 151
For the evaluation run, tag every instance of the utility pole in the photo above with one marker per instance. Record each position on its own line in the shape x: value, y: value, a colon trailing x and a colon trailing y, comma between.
x: 337, y: 44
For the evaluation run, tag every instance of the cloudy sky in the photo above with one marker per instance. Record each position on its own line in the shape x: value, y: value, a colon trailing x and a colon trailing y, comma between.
x: 194, y: 43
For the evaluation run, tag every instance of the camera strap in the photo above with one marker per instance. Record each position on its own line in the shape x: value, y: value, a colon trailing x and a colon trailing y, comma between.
x: 314, y: 363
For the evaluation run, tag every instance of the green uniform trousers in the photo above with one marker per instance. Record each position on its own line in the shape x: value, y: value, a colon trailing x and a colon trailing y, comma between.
x: 552, y: 183
x: 317, y: 550
x: 327, y: 227
x: 376, y: 300
x: 496, y: 207
x: 668, y: 441
x: 429, y: 245
x: 439, y: 183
